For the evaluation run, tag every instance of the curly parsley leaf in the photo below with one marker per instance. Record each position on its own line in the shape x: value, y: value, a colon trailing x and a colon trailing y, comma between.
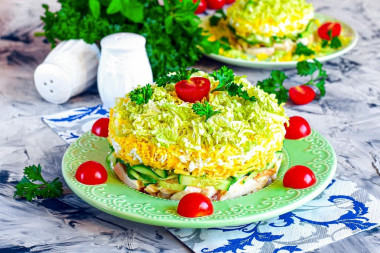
x: 204, y: 110
x: 226, y: 83
x: 334, y: 42
x: 29, y: 188
x: 141, y: 95
x: 234, y: 89
x: 309, y: 68
x: 181, y: 74
x: 225, y: 76
x: 303, y: 50
x: 274, y: 85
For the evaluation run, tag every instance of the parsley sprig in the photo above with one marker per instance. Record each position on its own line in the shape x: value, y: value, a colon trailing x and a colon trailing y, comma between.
x: 204, y: 110
x: 33, y: 185
x: 309, y: 68
x: 226, y: 83
x: 141, y: 95
x: 235, y: 89
x: 313, y: 69
x: 334, y: 42
x: 274, y: 85
x: 303, y: 50
x: 225, y: 76
x: 181, y: 74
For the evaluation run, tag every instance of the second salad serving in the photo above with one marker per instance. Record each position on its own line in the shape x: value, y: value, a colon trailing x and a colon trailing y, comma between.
x: 275, y: 30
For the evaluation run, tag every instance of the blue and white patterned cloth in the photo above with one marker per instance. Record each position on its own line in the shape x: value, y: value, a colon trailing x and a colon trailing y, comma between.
x: 342, y: 210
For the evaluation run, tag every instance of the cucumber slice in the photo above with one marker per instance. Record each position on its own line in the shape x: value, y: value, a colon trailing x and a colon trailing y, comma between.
x: 143, y: 178
x: 111, y: 159
x: 132, y: 174
x: 171, y: 186
x: 161, y: 173
x: 201, y: 182
x: 148, y: 179
x: 145, y: 170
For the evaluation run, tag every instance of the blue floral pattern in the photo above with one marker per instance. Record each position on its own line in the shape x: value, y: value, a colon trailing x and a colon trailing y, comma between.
x: 240, y: 243
x: 73, y: 123
x: 342, y: 210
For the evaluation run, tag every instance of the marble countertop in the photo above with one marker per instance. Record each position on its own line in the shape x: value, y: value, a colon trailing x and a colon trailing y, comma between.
x: 348, y: 116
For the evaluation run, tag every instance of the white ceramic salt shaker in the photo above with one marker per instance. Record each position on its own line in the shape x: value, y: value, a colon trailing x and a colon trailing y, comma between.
x: 68, y: 70
x: 123, y: 65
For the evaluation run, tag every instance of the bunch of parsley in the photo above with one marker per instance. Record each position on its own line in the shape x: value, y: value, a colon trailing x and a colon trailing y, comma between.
x: 174, y: 38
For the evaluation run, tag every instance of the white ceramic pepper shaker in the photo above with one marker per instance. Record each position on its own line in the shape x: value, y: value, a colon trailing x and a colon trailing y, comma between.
x: 68, y: 70
x: 123, y: 66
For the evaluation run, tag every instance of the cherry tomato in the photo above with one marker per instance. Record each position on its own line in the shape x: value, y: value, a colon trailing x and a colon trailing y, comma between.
x: 91, y: 173
x: 230, y: 1
x: 193, y: 90
x: 297, y: 129
x: 302, y: 94
x: 100, y: 127
x: 299, y: 177
x: 216, y: 4
x: 195, y: 205
x: 201, y: 7
x: 323, y: 30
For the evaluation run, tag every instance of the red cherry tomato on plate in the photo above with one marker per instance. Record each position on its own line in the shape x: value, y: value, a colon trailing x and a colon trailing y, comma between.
x: 201, y: 7
x: 195, y: 205
x: 302, y: 94
x: 323, y: 30
x: 230, y: 1
x: 91, y: 173
x: 193, y: 90
x: 297, y: 129
x: 216, y: 4
x: 299, y: 177
x: 100, y: 127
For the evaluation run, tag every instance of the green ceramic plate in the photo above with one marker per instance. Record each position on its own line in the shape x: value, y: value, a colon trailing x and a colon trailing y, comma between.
x: 348, y: 31
x: 116, y: 198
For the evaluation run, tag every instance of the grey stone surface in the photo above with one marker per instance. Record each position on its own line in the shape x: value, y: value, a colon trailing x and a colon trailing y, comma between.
x: 348, y: 116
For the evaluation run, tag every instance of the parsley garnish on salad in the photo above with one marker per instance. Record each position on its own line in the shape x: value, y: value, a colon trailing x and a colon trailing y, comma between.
x: 226, y: 78
x: 234, y: 89
x: 204, y: 110
x: 33, y: 185
x: 181, y: 74
x: 334, y: 41
x: 141, y: 95
x: 303, y: 50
